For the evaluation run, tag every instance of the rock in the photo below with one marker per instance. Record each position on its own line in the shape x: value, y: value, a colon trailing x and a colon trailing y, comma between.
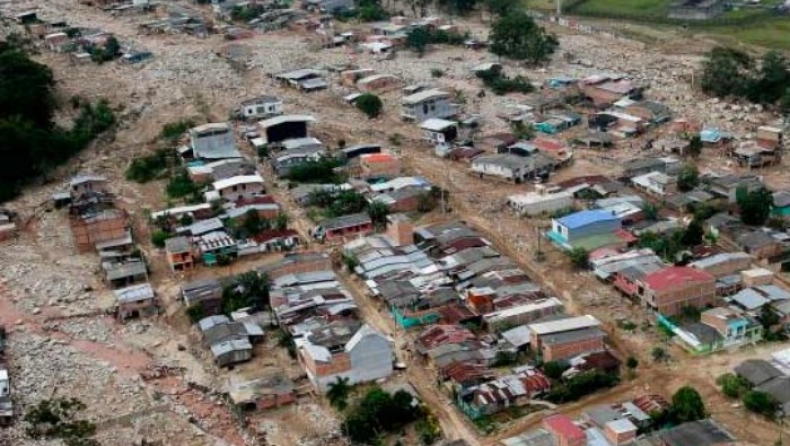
x: 36, y: 310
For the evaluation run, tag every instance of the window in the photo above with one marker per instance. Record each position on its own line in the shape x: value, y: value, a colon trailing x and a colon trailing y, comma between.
x: 425, y: 108
x: 235, y: 188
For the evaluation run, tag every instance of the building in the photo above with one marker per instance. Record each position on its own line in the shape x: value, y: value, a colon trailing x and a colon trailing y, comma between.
x: 260, y: 107
x: 428, y: 104
x: 86, y: 185
x: 566, y: 338
x: 723, y: 264
x: 698, y: 433
x: 734, y: 326
x: 696, y: 10
x: 231, y: 352
x: 512, y: 168
x: 336, y: 351
x: 534, y: 203
x: 238, y: 188
x: 269, y: 392
x: 345, y: 226
x: 91, y: 229
x: 305, y: 79
x: 439, y: 131
x: 781, y: 204
x: 205, y: 294
x: 503, y: 392
x: 405, y: 199
x: 283, y: 127
x: 294, y: 263
x: 178, y: 251
x: 211, y: 142
x: 656, y: 183
x: 378, y: 83
x: 670, y: 289
x: 136, y: 301
x: 379, y: 165
x: 727, y: 186
x: 564, y: 431
x: 577, y: 228
x: 605, y: 90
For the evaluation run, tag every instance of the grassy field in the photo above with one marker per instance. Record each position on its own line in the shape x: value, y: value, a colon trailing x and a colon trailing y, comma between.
x: 635, y: 7
x: 772, y: 33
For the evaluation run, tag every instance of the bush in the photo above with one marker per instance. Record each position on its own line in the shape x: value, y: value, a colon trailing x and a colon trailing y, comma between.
x: 733, y: 386
x: 581, y: 385
x: 57, y: 419
x: 158, y: 238
x: 321, y: 171
x: 149, y: 167
x: 172, y: 131
x: 181, y: 185
x: 369, y: 104
x: 761, y: 402
x: 501, y: 84
x: 554, y: 369
x: 380, y: 412
x: 437, y: 72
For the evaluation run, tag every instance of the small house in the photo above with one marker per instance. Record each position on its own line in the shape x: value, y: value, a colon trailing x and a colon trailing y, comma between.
x: 580, y: 225
x: 260, y: 107
x: 135, y: 56
x: 179, y: 253
x: 86, y: 185
x: 205, y: 294
x: 121, y: 274
x: 349, y: 78
x: 216, y: 245
x: 557, y: 122
x: 428, y: 104
x: 439, y: 131
x: 264, y: 393
x: 696, y: 10
x: 238, y: 187
x: 304, y: 79
x: 532, y: 203
x: 231, y: 352
x: 781, y: 206
x: 345, y: 226
x: 379, y: 165
x: 213, y: 141
x: 135, y: 301
x: 563, y: 431
x: 58, y: 42
x: 668, y: 290
x: 283, y: 127
x: 656, y: 183
x: 378, y: 83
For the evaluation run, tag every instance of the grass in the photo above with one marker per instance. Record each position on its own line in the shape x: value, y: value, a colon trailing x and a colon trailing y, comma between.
x: 772, y: 33
x: 635, y: 7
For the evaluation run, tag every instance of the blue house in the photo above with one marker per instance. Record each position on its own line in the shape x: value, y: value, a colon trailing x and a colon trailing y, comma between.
x: 589, y: 229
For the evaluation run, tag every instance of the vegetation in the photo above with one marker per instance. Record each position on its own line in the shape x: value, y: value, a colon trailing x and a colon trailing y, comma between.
x: 501, y: 84
x: 500, y: 7
x: 338, y: 393
x: 419, y: 38
x: 286, y: 341
x: 693, y: 234
x: 581, y: 385
x: 437, y: 72
x: 172, y: 131
x: 761, y: 403
x: 369, y: 104
x: 688, y: 178
x: 379, y: 412
x: 250, y: 289
x: 320, y: 171
x: 182, y: 186
x: 378, y: 212
x: 659, y: 354
x: 504, y: 358
x: 149, y: 167
x: 247, y: 12
x: 733, y: 386
x: 728, y: 72
x: 517, y: 36
x: 554, y: 369
x: 687, y: 405
x: 580, y: 257
x: 694, y: 148
x: 30, y: 143
x: 159, y: 237
x: 58, y: 419
x: 337, y: 203
x: 110, y: 51
x: 754, y: 206
x: 651, y: 210
x: 195, y: 313
x: 632, y: 363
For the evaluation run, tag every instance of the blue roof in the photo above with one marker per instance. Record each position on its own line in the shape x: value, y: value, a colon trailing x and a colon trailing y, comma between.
x: 587, y: 217
x: 710, y: 135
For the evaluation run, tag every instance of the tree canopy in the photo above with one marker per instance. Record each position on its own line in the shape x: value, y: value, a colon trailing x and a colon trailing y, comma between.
x: 379, y: 412
x: 688, y: 178
x: 727, y: 72
x: 369, y: 104
x: 517, y: 36
x: 250, y: 289
x: 687, y: 405
x: 755, y: 206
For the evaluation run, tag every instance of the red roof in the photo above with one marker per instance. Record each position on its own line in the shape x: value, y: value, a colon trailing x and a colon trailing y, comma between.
x: 268, y: 235
x: 551, y: 145
x: 465, y: 372
x: 378, y: 158
x: 674, y: 277
x: 602, y: 253
x: 437, y: 335
x: 562, y: 426
x: 625, y: 236
x: 455, y: 313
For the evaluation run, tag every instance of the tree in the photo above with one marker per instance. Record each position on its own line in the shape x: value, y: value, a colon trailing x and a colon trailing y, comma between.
x: 687, y: 405
x: 500, y: 7
x: 693, y: 234
x: 281, y: 221
x: 378, y: 212
x: 554, y: 369
x: 517, y: 36
x: 369, y: 104
x: 418, y: 40
x: 580, y: 257
x: 58, y: 419
x: 733, y: 385
x: 784, y: 103
x: 659, y: 354
x: 694, y: 148
x: 770, y: 82
x: 651, y: 210
x: 158, y: 238
x: 379, y: 412
x: 338, y: 393
x: 761, y: 402
x: 768, y: 317
x: 726, y: 72
x: 632, y: 363
x: 755, y: 206
x: 253, y: 223
x: 249, y: 289
x: 688, y: 178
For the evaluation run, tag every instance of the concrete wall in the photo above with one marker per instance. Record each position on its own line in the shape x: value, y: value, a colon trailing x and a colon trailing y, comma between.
x: 568, y: 350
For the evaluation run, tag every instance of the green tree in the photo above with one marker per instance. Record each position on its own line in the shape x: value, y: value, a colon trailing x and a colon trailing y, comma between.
x: 500, y: 7
x: 687, y: 405
x: 784, y: 102
x: 378, y: 212
x: 726, y: 72
x: 761, y: 402
x: 771, y: 80
x: 651, y: 210
x: 58, y: 418
x: 554, y: 369
x: 253, y: 223
x: 688, y: 178
x: 369, y: 104
x: 418, y: 40
x: 281, y: 221
x: 659, y: 354
x: 158, y: 238
x: 632, y: 363
x: 580, y: 257
x: 755, y: 206
x: 517, y: 36
x: 768, y: 317
x: 733, y: 386
x: 338, y: 393
x: 693, y: 234
x: 249, y: 289
x: 694, y: 148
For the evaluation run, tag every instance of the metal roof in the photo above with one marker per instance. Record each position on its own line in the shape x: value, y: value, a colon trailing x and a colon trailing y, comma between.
x: 229, y: 346
x: 282, y: 119
x: 135, y: 293
x: 424, y: 95
x: 566, y: 324
x: 583, y: 218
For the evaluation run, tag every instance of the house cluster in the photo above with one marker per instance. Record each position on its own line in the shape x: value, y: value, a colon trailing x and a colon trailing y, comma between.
x: 97, y: 225
x: 331, y: 340
x: 473, y: 306
x: 177, y: 19
x: 771, y: 376
x: 622, y: 424
x: 230, y: 340
x: 237, y: 217
x: 6, y: 402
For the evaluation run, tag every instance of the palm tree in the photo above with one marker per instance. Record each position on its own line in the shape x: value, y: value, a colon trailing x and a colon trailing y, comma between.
x: 338, y: 393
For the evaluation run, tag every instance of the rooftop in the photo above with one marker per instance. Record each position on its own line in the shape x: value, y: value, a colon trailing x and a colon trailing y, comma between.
x: 675, y: 276
x: 424, y: 95
x: 583, y: 218
x: 563, y: 426
x: 565, y: 324
x: 134, y: 293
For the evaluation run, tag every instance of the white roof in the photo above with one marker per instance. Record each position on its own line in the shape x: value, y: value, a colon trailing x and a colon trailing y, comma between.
x: 211, y: 126
x: 568, y: 324
x: 176, y: 212
x: 437, y: 125
x: 237, y: 180
x: 621, y: 426
x: 534, y: 197
x: 134, y: 293
x: 424, y: 95
x: 277, y: 120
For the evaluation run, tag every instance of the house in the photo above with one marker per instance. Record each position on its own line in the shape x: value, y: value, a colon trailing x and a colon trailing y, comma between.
x: 118, y: 274
x: 260, y: 107
x: 87, y: 185
x: 759, y: 244
x: 273, y: 240
x: 304, y: 79
x: 564, y: 431
x: 439, y: 131
x: 527, y: 312
x: 205, y: 294
x: 58, y: 42
x: 238, y: 188
x: 355, y: 151
x: 758, y: 371
x: 668, y: 290
x: 349, y: 78
x: 532, y: 203
x: 264, y: 210
x: 734, y: 326
x: 339, y: 350
x: 294, y: 263
x: 178, y: 251
x: 405, y: 199
x: 578, y: 228
x: 723, y: 264
x: 781, y: 206
x: 567, y: 337
x: 779, y: 389
x: 503, y: 392
x: 284, y: 161
x: 651, y: 111
x: 344, y: 226
x: 280, y: 128
x: 216, y: 245
x: 698, y: 433
x: 656, y: 183
x: 231, y: 352
x: 605, y: 90
x: 379, y: 165
x: 6, y: 403
x: 269, y: 392
x: 135, y: 301
x: 378, y: 83
x: 428, y: 104
x: 557, y: 122
x: 696, y: 10
x: 213, y: 141
x: 727, y: 186
x: 512, y: 168
x: 331, y: 6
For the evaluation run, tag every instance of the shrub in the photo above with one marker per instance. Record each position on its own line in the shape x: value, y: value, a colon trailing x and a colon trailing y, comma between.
x: 158, y: 238
x: 148, y: 167
x: 369, y: 104
x: 437, y: 72
x: 174, y: 130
